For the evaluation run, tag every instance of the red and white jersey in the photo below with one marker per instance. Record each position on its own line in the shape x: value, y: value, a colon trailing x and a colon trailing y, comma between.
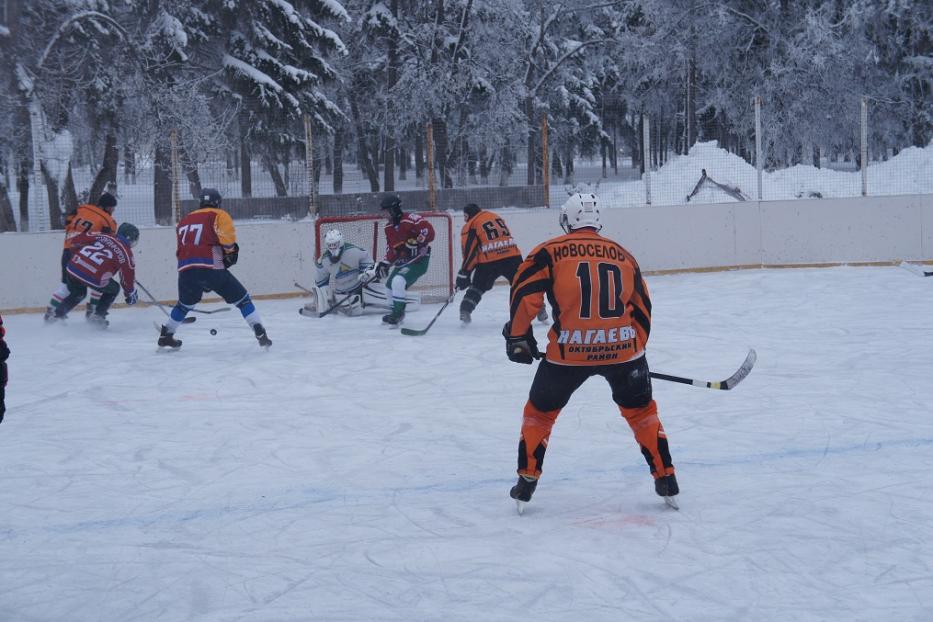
x: 412, y: 231
x: 98, y: 257
x: 204, y: 236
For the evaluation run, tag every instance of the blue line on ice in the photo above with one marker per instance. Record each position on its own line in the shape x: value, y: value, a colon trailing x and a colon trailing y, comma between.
x: 305, y: 497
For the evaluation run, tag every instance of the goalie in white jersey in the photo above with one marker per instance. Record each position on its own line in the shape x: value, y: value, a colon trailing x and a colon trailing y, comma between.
x: 339, y: 280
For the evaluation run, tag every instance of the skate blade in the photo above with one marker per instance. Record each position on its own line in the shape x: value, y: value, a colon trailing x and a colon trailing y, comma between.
x: 520, y: 506
x: 671, y: 502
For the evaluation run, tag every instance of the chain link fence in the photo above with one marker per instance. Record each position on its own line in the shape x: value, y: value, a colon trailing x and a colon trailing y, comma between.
x: 308, y: 170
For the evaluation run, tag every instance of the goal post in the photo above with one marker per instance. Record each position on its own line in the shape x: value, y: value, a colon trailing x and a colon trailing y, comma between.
x: 366, y: 231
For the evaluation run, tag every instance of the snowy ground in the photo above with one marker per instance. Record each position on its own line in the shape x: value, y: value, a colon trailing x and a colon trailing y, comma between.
x: 352, y: 473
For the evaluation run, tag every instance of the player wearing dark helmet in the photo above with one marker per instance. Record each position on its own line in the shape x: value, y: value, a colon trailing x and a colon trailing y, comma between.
x: 408, y: 252
x: 206, y: 250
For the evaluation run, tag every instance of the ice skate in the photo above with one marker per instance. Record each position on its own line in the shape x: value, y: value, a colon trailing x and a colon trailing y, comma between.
x: 392, y: 320
x: 261, y: 336
x: 667, y: 488
x: 465, y: 316
x: 97, y: 320
x: 523, y: 490
x: 167, y: 340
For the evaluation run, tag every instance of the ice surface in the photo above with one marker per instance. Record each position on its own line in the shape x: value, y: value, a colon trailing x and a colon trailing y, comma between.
x: 352, y: 473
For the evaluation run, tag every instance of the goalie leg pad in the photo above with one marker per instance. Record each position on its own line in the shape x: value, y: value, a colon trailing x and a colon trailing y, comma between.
x: 320, y: 299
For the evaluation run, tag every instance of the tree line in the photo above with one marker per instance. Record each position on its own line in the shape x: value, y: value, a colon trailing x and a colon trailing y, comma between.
x: 100, y: 83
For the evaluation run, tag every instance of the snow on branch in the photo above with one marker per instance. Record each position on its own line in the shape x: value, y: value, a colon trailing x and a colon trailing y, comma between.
x: 250, y: 72
x: 74, y: 19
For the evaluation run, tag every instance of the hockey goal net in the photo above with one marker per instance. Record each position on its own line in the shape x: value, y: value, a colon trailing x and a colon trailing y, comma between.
x: 366, y: 231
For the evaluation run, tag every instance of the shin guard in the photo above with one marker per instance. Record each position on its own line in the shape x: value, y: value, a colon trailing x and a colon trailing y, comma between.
x: 650, y: 436
x: 536, y: 429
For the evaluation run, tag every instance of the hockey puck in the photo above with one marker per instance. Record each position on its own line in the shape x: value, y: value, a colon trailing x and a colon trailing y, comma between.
x: 213, y: 331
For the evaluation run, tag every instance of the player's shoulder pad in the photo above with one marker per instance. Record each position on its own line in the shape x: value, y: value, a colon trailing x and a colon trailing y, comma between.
x: 412, y: 217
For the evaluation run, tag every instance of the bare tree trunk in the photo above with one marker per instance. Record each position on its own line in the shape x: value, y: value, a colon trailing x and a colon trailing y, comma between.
x: 441, y: 149
x: 7, y: 220
x: 419, y: 154
x: 69, y: 196
x: 129, y: 165
x: 484, y: 164
x: 603, y: 149
x: 277, y: 181
x: 108, y: 170
x: 55, y: 210
x: 532, y: 146
x: 339, y: 139
x: 505, y: 164
x: 568, y: 165
x: 162, y: 185
x: 246, y: 172
x: 402, y: 162
x: 471, y: 165
x: 362, y: 150
x: 22, y: 186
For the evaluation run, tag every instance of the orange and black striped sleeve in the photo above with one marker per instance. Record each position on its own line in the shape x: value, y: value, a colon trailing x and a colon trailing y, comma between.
x: 532, y: 282
x: 641, y: 304
x: 469, y: 243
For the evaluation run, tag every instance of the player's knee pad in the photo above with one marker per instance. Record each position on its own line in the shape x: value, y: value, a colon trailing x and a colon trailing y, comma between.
x: 532, y: 416
x: 632, y: 388
x: 641, y: 417
x: 397, y: 286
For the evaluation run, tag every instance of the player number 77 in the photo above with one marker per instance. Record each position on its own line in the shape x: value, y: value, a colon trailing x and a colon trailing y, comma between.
x: 196, y: 228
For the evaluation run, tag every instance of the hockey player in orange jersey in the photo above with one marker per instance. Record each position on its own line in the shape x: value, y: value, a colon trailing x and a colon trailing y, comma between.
x: 602, y: 318
x: 489, y: 251
x: 87, y: 218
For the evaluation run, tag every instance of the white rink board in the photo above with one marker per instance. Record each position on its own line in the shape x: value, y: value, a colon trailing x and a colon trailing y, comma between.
x: 275, y: 255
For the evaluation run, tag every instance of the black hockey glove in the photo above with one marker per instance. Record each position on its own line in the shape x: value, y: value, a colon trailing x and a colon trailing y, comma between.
x: 2, y: 389
x: 231, y: 258
x: 463, y: 279
x: 523, y: 349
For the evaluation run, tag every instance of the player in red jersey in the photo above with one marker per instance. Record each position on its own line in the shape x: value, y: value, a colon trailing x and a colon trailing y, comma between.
x: 602, y: 318
x: 207, y: 248
x: 408, y: 252
x: 96, y: 259
x: 86, y: 218
x: 4, y: 355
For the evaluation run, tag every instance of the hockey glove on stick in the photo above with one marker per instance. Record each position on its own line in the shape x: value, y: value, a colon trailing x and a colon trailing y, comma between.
x: 522, y: 349
x: 232, y: 257
x: 463, y: 279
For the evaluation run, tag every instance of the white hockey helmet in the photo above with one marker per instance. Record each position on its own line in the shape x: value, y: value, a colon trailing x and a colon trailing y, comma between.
x: 580, y: 210
x: 333, y: 242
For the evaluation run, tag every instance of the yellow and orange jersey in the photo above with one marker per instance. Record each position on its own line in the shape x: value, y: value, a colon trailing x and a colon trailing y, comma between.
x: 486, y: 238
x: 88, y: 219
x: 602, y: 310
x: 204, y: 236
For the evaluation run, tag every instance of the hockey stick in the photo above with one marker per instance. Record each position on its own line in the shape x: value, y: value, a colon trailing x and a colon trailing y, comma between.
x: 417, y: 333
x: 724, y: 385
x: 152, y: 300
x: 204, y: 311
x: 744, y: 369
x: 302, y: 287
x: 915, y: 269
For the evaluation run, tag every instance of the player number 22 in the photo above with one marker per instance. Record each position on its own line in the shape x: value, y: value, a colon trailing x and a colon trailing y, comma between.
x: 196, y: 229
x: 609, y: 282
